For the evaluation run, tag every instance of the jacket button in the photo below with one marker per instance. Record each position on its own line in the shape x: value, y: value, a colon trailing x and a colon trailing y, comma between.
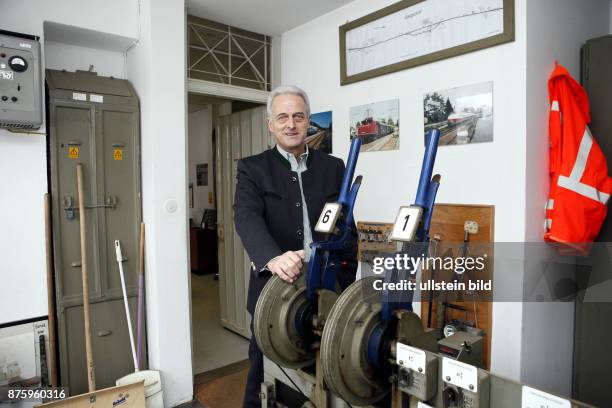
x: 300, y: 232
x: 298, y: 204
x: 294, y: 179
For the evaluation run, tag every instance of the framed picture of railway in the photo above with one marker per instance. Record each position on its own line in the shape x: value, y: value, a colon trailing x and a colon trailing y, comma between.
x: 377, y: 125
x: 410, y: 33
x: 319, y: 134
x: 463, y: 115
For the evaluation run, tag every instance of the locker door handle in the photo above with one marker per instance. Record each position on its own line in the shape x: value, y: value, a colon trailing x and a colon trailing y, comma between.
x: 111, y: 201
x: 104, y: 333
x: 220, y: 233
x: 76, y: 264
x: 69, y: 209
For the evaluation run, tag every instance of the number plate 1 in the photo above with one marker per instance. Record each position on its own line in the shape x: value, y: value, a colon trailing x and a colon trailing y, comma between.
x: 411, y: 358
x: 406, y: 223
x: 328, y: 218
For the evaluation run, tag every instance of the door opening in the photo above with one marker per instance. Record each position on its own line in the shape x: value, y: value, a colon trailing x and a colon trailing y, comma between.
x: 220, y: 131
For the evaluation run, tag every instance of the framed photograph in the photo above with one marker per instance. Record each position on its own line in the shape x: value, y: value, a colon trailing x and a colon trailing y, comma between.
x: 464, y: 115
x: 416, y: 32
x: 202, y: 174
x: 319, y: 134
x: 377, y: 125
x: 20, y: 353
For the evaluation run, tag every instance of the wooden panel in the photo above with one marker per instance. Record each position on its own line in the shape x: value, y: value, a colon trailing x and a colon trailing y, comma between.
x: 374, y: 240
x: 241, y: 134
x: 224, y: 215
x: 448, y: 223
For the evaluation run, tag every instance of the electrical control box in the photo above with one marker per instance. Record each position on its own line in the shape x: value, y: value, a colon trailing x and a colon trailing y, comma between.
x: 20, y: 81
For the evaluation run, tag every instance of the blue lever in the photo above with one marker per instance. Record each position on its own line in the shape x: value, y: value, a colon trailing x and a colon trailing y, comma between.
x: 429, y: 158
x: 325, y: 256
x: 425, y: 198
x: 349, y: 171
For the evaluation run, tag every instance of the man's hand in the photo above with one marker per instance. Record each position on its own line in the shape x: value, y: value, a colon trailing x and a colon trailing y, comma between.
x: 287, y: 266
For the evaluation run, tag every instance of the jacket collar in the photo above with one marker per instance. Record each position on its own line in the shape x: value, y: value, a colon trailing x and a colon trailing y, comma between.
x: 281, y: 158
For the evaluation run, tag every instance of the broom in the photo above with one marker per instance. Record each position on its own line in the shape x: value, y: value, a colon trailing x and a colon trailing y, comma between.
x: 153, y: 390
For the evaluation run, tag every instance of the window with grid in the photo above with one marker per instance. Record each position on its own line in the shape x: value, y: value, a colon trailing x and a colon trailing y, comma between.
x: 221, y: 53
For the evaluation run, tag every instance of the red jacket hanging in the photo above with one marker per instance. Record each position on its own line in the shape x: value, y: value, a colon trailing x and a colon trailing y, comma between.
x: 580, y: 186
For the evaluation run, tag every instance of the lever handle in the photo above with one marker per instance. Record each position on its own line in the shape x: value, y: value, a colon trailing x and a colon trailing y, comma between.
x: 118, y: 251
x: 349, y: 171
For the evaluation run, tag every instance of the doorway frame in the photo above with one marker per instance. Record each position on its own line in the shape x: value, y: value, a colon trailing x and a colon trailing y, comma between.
x: 226, y: 91
x: 202, y: 87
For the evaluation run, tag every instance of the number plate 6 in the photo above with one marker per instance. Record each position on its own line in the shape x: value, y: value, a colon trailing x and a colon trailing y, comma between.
x: 328, y: 218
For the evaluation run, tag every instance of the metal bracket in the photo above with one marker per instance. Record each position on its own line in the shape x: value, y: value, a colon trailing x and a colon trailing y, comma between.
x: 267, y: 395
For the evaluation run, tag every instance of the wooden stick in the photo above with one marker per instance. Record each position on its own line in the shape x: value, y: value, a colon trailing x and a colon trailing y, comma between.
x: 140, y: 293
x: 50, y: 293
x: 91, y: 378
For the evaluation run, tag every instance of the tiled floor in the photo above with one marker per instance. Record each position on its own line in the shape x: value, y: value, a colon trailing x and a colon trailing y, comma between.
x: 222, y: 388
x: 213, y: 345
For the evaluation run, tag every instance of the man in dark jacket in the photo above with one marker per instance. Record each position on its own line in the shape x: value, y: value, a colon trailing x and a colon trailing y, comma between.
x: 279, y: 197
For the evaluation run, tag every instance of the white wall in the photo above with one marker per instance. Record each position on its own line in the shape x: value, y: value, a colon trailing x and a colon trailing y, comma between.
x: 23, y: 166
x: 71, y: 58
x: 200, y: 152
x: 157, y: 68
x: 556, y: 30
x: 488, y: 173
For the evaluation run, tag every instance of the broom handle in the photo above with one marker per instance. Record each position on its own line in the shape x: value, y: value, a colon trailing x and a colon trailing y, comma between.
x: 91, y: 378
x: 140, y: 294
x: 50, y: 293
x: 125, y: 301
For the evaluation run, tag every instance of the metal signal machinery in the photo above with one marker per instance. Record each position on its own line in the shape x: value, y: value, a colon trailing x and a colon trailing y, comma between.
x: 365, y: 347
x: 20, y: 81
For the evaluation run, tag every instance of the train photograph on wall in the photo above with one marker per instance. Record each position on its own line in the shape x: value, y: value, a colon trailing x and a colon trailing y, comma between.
x: 377, y: 125
x: 463, y: 114
x: 319, y: 134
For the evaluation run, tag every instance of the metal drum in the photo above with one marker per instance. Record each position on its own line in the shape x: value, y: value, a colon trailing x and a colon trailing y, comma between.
x: 281, y: 322
x: 345, y: 344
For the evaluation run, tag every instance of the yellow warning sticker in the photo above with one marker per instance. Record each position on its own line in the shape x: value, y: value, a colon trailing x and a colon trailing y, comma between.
x: 210, y: 197
x: 73, y: 152
x: 118, y: 154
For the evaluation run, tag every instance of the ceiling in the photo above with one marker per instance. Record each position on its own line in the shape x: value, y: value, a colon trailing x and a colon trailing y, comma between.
x: 270, y: 17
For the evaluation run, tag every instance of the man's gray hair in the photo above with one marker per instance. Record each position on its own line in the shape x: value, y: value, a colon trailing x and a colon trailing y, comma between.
x: 288, y: 90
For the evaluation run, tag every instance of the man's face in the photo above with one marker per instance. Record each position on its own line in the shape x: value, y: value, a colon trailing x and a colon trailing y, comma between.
x: 289, y: 122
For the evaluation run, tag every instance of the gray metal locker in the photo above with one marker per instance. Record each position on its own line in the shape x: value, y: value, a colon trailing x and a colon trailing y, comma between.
x: 592, y: 329
x: 240, y: 135
x: 95, y: 121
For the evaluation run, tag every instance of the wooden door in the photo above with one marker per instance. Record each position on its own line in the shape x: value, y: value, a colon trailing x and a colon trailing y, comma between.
x: 240, y: 135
